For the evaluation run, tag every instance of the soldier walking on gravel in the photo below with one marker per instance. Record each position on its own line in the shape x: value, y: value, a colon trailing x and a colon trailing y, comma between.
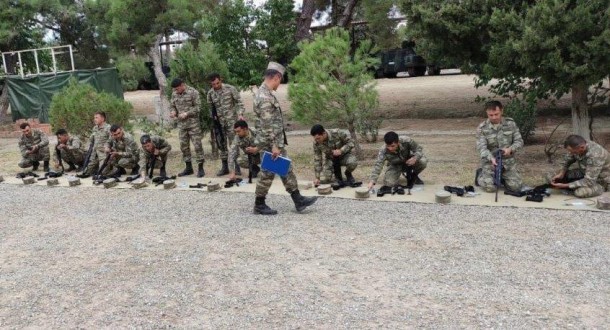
x: 498, y: 133
x: 34, y: 147
x: 272, y: 138
x: 229, y: 108
x: 185, y: 107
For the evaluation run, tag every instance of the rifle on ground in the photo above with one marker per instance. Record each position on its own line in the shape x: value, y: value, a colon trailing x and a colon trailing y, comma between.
x: 217, y: 129
x: 410, y: 175
x: 88, y: 156
x: 98, y: 175
x: 498, y: 171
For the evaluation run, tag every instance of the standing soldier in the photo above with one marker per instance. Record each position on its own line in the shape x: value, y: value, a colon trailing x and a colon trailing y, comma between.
x: 225, y: 100
x: 332, y: 149
x: 498, y: 133
x: 34, y: 147
x: 398, y: 153
x: 154, y: 150
x: 185, y: 107
x: 244, y: 140
x: 272, y: 138
x: 592, y: 172
x: 100, y: 135
x: 69, y: 149
x: 123, y: 152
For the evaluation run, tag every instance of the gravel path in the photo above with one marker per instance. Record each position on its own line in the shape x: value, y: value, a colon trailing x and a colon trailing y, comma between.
x: 119, y: 258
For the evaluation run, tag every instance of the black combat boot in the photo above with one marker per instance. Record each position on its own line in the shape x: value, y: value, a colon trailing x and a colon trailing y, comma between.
x: 45, y: 166
x: 162, y: 171
x: 261, y: 208
x: 135, y: 170
x: 418, y: 180
x: 71, y: 167
x: 225, y: 168
x: 200, y: 171
x: 119, y: 171
x: 349, y: 178
x: 301, y: 202
x: 237, y: 170
x: 35, y: 166
x: 188, y: 170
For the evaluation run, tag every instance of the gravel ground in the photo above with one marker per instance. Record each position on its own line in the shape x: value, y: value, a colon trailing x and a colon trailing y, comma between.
x: 96, y: 258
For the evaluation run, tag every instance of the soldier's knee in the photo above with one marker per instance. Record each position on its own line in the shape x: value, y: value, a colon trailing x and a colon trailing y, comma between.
x: 586, y: 192
x: 25, y: 164
x: 489, y: 188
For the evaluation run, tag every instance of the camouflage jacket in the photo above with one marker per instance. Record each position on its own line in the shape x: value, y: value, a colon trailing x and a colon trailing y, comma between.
x: 189, y: 103
x: 407, y: 148
x: 38, y: 138
x: 337, y: 139
x: 227, y: 101
x: 269, y: 120
x: 595, y: 162
x: 126, y: 147
x: 73, y: 147
x: 490, y: 138
x: 159, y: 143
x: 241, y: 143
x: 101, y: 136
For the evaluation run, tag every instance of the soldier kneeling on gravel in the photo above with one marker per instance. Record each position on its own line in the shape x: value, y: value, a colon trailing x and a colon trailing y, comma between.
x: 332, y: 149
x: 244, y: 140
x: 153, y: 155
x: 34, y: 147
x: 398, y: 153
x: 124, y: 152
x: 591, y: 176
x: 69, y: 149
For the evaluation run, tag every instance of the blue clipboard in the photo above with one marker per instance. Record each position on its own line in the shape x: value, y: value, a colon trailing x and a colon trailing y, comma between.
x: 279, y: 166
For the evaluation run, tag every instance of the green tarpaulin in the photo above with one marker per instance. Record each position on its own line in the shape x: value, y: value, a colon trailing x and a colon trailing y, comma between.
x: 30, y: 97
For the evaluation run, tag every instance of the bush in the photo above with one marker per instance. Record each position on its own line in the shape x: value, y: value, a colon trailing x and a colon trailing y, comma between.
x: 524, y: 114
x: 132, y: 72
x: 74, y: 106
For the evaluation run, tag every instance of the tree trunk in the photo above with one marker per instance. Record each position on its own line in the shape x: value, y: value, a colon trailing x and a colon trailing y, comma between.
x: 154, y: 55
x: 352, y: 132
x: 581, y: 118
x: 304, y: 20
x: 4, y: 104
x: 348, y: 12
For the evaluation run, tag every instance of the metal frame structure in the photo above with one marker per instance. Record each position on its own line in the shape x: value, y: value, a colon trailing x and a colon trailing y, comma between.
x: 35, y: 51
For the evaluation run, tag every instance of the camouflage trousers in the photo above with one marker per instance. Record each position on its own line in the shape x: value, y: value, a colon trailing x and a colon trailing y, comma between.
x: 124, y: 162
x: 42, y: 154
x: 76, y: 157
x: 229, y: 134
x: 266, y: 179
x: 194, y: 135
x: 392, y: 174
x: 349, y: 161
x: 95, y: 161
x: 510, y: 176
x: 586, y: 191
x: 242, y: 160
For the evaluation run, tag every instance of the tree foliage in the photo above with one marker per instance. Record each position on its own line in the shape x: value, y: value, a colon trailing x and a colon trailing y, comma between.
x: 277, y: 27
x: 332, y: 87
x: 132, y: 71
x: 74, y: 106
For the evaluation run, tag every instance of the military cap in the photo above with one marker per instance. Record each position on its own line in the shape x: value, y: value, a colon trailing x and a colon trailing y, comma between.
x: 176, y: 82
x: 277, y: 67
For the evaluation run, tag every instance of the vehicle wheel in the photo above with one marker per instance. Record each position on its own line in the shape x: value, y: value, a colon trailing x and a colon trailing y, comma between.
x: 432, y: 71
x: 420, y: 71
x: 411, y: 72
x: 378, y: 74
x: 437, y: 71
x: 391, y: 75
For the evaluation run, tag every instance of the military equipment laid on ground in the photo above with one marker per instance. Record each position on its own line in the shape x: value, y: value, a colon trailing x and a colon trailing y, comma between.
x: 442, y: 197
x: 73, y: 181
x: 384, y: 190
x: 362, y: 193
x: 325, y: 189
x: 52, y: 182
x: 169, y: 184
x: 213, y: 186
x: 498, y: 171
x: 199, y: 185
x: 603, y: 203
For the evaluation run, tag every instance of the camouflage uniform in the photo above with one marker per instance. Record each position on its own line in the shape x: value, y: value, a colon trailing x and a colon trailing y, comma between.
x: 146, y: 157
x: 73, y: 153
x: 128, y: 152
x: 407, y: 148
x: 243, y: 143
x: 596, y: 166
x: 101, y: 136
x: 492, y: 137
x: 38, y: 138
x: 323, y: 154
x: 189, y: 129
x: 229, y: 108
x: 270, y: 132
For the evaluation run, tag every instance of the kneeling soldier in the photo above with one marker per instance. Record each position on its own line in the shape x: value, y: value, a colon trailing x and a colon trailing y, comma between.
x: 69, y: 149
x: 123, y: 152
x: 593, y: 168
x: 245, y: 140
x: 34, y: 147
x: 398, y: 153
x: 333, y: 149
x: 153, y: 154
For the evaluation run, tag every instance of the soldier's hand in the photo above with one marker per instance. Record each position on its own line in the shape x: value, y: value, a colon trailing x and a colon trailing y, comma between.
x: 172, y: 114
x: 232, y: 176
x: 56, y: 164
x: 275, y: 152
x: 560, y: 185
x: 411, y: 161
x: 114, y: 154
x: 182, y: 115
x: 507, y: 151
x: 34, y: 148
x: 251, y: 150
x: 156, y: 152
x: 107, y: 150
x: 493, y: 162
x: 337, y: 153
x: 371, y: 185
x: 316, y: 182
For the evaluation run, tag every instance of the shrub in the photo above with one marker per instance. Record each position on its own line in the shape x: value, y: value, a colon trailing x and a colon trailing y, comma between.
x: 74, y: 106
x: 524, y: 114
x: 132, y: 72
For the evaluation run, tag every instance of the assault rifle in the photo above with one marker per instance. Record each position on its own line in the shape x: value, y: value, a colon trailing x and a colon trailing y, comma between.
x: 88, y: 156
x: 152, y: 165
x: 410, y: 175
x: 535, y: 194
x: 498, y: 171
x: 217, y: 128
x: 61, y: 163
x: 340, y: 182
x: 250, y: 168
x: 22, y: 175
x: 98, y: 175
